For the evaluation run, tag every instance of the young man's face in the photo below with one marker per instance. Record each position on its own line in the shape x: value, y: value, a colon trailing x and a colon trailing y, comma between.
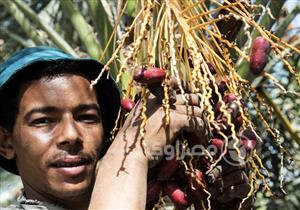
x: 58, y: 136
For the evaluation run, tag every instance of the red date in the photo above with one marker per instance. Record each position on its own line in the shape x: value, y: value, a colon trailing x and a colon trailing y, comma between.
x: 150, y: 76
x: 259, y: 55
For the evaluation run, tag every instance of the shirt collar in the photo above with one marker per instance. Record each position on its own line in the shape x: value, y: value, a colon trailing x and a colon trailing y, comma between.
x: 24, y: 201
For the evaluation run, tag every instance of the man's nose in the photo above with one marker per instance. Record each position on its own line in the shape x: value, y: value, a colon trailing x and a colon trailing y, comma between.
x: 69, y: 132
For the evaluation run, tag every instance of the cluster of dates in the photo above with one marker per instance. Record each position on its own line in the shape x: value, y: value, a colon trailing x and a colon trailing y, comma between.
x: 169, y: 177
x: 233, y: 106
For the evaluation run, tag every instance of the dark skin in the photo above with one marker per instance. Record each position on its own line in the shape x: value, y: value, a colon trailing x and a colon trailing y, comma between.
x: 49, y: 130
x: 58, y: 136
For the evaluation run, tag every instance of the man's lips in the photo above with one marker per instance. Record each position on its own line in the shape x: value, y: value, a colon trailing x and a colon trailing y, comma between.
x: 70, y: 166
x: 70, y: 162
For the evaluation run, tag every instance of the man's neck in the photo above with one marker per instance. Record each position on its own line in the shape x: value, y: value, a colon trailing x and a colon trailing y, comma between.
x: 80, y: 202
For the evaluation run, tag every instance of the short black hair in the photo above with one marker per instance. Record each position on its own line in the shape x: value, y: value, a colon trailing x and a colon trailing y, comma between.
x: 9, y: 94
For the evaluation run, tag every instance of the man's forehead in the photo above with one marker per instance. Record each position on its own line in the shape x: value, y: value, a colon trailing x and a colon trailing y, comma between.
x: 59, y: 81
x: 64, y: 90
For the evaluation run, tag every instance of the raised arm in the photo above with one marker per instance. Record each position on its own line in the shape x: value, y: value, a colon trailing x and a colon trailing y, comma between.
x: 121, y: 181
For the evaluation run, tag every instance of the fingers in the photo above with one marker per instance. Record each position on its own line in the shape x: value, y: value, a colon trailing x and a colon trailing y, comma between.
x: 214, y: 174
x: 232, y: 179
x: 188, y: 99
x: 227, y: 168
x: 188, y: 117
x: 233, y: 192
x: 228, y: 182
x: 176, y: 99
x: 190, y: 111
x: 185, y: 85
x: 222, y: 170
x: 157, y: 88
x: 193, y: 125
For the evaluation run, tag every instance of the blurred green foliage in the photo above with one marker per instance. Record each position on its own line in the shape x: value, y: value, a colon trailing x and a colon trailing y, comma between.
x: 65, y: 23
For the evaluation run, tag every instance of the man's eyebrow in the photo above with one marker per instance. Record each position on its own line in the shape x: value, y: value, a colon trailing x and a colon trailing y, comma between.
x: 49, y: 109
x: 84, y: 107
x: 45, y: 109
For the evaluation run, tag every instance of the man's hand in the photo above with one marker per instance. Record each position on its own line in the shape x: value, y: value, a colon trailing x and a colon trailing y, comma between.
x: 122, y: 176
x: 185, y: 115
x: 228, y: 185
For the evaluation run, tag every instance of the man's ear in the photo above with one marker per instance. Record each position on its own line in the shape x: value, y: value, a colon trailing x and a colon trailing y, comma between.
x: 6, y: 147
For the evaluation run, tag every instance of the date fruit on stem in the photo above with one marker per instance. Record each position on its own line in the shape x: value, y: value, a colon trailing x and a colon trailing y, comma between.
x: 259, y: 55
x: 127, y: 104
x: 150, y: 75
x: 179, y: 198
x: 249, y: 139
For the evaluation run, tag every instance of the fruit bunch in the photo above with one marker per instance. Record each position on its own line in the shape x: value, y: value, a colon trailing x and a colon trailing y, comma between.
x: 187, y: 41
x: 181, y: 186
x: 185, y: 186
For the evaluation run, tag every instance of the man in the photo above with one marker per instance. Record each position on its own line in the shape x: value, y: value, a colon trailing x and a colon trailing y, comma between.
x: 54, y: 129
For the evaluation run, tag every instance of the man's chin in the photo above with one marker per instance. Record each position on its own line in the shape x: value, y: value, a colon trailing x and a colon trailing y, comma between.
x: 70, y: 190
x: 74, y: 183
x: 75, y: 186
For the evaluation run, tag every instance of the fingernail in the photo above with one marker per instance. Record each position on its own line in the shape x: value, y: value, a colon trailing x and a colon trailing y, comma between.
x: 211, y: 178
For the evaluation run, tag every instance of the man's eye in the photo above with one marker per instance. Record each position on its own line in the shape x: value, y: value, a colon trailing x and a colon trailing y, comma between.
x: 43, y: 121
x: 88, y: 118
